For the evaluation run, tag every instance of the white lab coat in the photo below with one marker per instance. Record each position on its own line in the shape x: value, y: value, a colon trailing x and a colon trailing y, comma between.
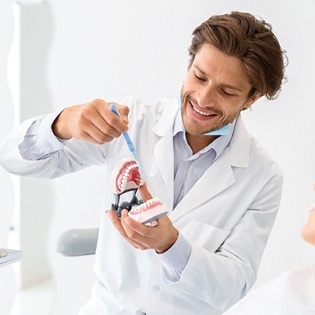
x: 291, y: 293
x: 227, y: 216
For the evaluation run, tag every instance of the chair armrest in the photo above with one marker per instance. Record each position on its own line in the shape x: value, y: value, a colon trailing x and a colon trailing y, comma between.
x: 77, y: 242
x: 9, y: 256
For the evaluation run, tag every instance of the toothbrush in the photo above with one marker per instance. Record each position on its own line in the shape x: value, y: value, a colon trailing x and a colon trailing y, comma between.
x: 126, y: 136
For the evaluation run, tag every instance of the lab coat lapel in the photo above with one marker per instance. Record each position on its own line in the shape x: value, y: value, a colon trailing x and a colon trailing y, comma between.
x: 220, y: 175
x: 216, y: 179
x: 164, y: 157
x: 164, y: 150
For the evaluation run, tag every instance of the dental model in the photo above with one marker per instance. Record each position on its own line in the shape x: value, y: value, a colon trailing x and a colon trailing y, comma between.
x: 149, y: 211
x: 127, y: 178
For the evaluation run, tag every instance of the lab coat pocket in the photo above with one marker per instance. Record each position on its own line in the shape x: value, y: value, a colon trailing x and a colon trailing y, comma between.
x: 206, y: 235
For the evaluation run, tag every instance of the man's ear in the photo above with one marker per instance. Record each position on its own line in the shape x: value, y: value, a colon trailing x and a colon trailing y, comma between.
x: 251, y: 101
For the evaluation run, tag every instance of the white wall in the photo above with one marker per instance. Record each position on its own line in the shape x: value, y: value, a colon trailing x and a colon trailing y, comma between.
x: 110, y: 49
x: 7, y: 279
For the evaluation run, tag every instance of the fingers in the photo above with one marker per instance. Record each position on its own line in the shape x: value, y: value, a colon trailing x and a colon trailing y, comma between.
x: 117, y: 222
x: 93, y: 122
x: 132, y: 227
x: 144, y: 192
x: 100, y: 123
x: 160, y: 238
x: 119, y: 124
x: 137, y: 233
x: 94, y: 129
x: 123, y: 112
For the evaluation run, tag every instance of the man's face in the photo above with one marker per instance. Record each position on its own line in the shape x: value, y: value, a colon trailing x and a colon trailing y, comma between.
x: 215, y: 91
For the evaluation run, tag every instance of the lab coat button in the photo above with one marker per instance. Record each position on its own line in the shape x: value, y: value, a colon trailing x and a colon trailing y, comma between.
x: 155, y: 288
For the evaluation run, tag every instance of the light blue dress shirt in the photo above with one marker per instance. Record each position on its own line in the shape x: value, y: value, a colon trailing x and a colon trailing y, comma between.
x: 189, y: 167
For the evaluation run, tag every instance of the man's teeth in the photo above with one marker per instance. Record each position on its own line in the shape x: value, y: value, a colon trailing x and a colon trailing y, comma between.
x: 200, y: 112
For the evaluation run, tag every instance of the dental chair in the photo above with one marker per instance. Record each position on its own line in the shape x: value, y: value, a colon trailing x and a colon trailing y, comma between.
x: 77, y: 242
x: 9, y: 256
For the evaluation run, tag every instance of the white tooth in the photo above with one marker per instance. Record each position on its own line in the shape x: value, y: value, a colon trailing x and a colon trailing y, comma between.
x: 200, y: 112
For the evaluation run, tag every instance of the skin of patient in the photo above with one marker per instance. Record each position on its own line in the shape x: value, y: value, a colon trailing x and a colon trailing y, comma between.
x: 308, y: 231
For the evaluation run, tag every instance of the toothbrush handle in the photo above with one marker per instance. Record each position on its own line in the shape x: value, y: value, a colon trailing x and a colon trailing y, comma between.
x: 125, y: 134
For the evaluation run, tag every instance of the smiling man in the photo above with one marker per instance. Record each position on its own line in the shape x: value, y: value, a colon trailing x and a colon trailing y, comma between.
x: 221, y: 187
x: 216, y: 89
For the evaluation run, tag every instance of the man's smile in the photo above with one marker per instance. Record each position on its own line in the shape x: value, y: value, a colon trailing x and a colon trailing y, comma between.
x: 199, y: 113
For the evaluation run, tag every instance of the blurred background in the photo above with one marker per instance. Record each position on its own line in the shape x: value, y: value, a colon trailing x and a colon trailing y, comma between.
x: 58, y: 53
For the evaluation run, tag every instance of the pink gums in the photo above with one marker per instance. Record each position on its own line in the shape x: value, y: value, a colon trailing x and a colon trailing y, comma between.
x: 133, y: 174
x: 146, y: 206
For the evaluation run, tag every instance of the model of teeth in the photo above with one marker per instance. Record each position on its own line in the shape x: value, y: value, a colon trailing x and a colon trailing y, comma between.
x: 148, y: 211
x: 126, y: 177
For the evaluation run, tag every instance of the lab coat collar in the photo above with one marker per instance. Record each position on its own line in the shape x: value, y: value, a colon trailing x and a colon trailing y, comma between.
x: 220, y: 175
x: 166, y: 122
x: 235, y: 155
x: 240, y: 145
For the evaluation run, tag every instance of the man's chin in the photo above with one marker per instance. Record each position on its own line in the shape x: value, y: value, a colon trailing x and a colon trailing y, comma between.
x: 195, y: 129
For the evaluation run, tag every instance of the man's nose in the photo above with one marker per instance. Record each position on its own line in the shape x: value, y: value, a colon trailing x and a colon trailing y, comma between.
x: 207, y: 95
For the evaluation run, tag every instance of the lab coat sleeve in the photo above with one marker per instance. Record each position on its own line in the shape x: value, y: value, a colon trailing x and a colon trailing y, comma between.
x: 46, y: 157
x: 222, y: 277
x: 39, y: 142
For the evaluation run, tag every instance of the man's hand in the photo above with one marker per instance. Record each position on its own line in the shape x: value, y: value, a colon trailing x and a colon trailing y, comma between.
x: 160, y: 237
x: 94, y: 122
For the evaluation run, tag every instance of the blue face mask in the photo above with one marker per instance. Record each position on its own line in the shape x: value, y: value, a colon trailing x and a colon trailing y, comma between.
x: 223, y: 131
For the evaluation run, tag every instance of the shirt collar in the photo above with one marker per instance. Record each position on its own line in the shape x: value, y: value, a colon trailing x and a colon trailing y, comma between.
x: 218, y: 145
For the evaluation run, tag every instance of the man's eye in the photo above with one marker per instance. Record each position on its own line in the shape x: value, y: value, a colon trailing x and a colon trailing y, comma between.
x: 226, y: 93
x: 199, y: 78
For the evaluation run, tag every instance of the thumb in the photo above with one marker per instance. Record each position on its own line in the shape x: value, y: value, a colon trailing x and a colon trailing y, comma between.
x: 145, y: 194
x: 123, y: 111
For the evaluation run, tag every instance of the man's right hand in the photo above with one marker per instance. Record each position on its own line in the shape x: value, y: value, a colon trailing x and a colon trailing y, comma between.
x: 94, y: 122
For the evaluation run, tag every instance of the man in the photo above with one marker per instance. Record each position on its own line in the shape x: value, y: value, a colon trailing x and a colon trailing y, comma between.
x: 222, y: 188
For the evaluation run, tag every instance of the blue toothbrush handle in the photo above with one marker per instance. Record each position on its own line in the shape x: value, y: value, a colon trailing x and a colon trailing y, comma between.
x: 125, y: 134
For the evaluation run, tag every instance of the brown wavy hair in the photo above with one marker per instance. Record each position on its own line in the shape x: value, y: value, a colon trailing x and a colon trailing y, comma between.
x: 244, y: 36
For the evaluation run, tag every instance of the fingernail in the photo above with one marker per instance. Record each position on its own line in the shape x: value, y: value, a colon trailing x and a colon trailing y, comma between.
x: 109, y: 214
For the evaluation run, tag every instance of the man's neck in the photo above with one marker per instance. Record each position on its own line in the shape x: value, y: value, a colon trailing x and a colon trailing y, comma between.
x: 198, y: 143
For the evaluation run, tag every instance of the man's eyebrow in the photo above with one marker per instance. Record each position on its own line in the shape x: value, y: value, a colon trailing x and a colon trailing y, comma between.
x: 229, y: 86
x: 197, y: 68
